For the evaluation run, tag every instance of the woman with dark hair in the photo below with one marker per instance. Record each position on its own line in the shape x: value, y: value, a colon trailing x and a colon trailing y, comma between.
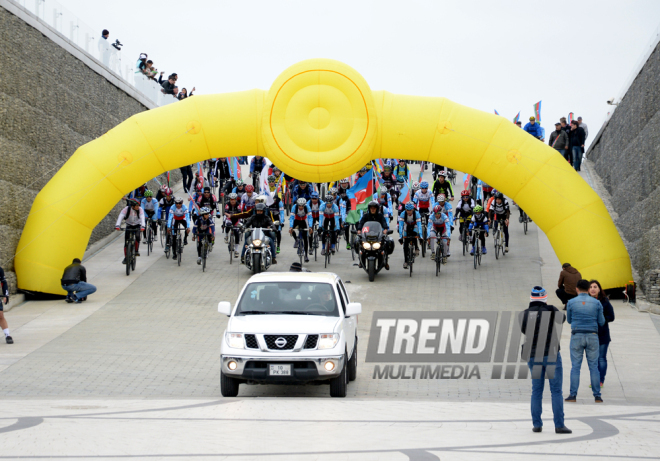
x: 184, y: 94
x: 596, y: 291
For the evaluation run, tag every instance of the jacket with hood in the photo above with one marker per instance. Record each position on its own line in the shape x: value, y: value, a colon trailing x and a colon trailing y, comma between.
x: 568, y: 279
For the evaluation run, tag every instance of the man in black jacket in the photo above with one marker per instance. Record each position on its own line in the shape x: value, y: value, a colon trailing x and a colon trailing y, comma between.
x: 540, y: 315
x: 74, y: 282
x: 576, y: 137
x: 4, y: 295
x: 260, y: 219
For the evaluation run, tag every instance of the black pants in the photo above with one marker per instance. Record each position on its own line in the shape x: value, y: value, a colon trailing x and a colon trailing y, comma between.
x: 127, y: 234
x: 150, y: 222
x: 563, y: 296
x: 302, y: 225
x: 187, y: 174
x: 329, y: 226
x: 505, y: 228
x: 407, y: 241
x: 175, y: 228
x: 482, y: 237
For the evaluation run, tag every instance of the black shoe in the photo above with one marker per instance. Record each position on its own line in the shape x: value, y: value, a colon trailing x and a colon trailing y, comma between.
x: 537, y: 429
x: 9, y: 340
x: 185, y: 241
x: 124, y: 261
x: 69, y: 300
x: 274, y: 261
x: 386, y: 266
x: 78, y: 301
x: 137, y: 253
x: 599, y: 400
x: 306, y: 259
x: 563, y: 430
x: 570, y: 398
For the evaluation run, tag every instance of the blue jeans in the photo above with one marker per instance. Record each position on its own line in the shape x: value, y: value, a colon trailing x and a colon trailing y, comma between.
x: 577, y: 157
x: 82, y: 289
x: 582, y: 343
x: 555, y: 390
x: 602, y: 361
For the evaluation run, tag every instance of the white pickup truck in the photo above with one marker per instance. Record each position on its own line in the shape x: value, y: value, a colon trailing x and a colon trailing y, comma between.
x: 290, y: 327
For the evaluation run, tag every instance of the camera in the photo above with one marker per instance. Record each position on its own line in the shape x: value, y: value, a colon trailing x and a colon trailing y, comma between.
x: 611, y: 101
x: 117, y: 45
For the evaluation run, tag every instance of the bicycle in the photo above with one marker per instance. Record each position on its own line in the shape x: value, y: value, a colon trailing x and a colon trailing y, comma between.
x: 328, y: 246
x: 525, y: 221
x: 301, y: 245
x: 452, y: 176
x: 440, y: 257
x: 206, y: 248
x: 411, y: 253
x: 162, y: 224
x: 477, y: 247
x: 354, y: 240
x: 425, y: 223
x: 315, y: 239
x: 499, y: 239
x: 233, y: 242
x: 179, y: 244
x: 150, y: 239
x: 464, y: 233
x: 131, y: 259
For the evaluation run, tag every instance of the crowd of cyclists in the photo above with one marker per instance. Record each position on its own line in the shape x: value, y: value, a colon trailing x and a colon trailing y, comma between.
x: 424, y: 217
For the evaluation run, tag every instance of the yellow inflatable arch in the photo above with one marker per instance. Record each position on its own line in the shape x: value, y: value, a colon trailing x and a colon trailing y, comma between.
x: 319, y: 122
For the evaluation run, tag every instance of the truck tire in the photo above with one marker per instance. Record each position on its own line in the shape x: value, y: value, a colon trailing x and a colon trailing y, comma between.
x: 352, y: 363
x: 339, y: 385
x: 228, y: 385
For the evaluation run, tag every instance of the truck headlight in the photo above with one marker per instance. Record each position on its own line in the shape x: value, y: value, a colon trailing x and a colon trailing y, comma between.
x: 328, y: 341
x: 366, y: 246
x: 235, y: 340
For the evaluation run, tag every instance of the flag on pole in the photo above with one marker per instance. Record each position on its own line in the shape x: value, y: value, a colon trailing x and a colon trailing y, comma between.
x: 192, y: 200
x: 404, y: 193
x: 265, y: 189
x: 537, y: 111
x: 168, y: 179
x: 570, y: 117
x: 466, y: 181
x: 235, y: 168
x: 496, y: 112
x: 421, y: 172
x: 201, y: 172
x: 516, y: 118
x: 279, y: 184
x: 380, y: 165
x: 360, y: 195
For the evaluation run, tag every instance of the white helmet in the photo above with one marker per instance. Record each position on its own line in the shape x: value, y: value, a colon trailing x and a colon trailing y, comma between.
x: 301, y: 202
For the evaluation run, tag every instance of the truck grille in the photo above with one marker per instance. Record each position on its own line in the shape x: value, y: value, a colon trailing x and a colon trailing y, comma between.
x: 311, y: 341
x: 251, y: 342
x: 290, y: 342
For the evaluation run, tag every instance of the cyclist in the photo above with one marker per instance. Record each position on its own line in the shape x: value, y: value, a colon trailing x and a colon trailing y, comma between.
x: 4, y: 297
x: 345, y: 207
x: 360, y: 173
x: 222, y: 172
x: 423, y: 198
x: 165, y: 204
x: 208, y: 200
x: 499, y: 215
x: 150, y: 207
x: 401, y: 171
x: 442, y: 186
x: 260, y: 219
x: 447, y: 210
x: 248, y: 198
x: 464, y: 211
x: 479, y: 221
x: 385, y: 202
x: 177, y: 217
x: 134, y: 216
x: 410, y: 225
x: 439, y: 226
x: 276, y: 209
x: 233, y: 216
x: 204, y: 224
x: 198, y: 183
x: 239, y: 187
x: 314, y: 204
x: 301, y: 190
x: 161, y: 192
x: 329, y: 222
x: 301, y: 218
x: 487, y: 191
x: 256, y: 165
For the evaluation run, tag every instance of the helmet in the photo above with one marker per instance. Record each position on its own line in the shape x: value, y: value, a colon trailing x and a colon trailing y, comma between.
x: 410, y: 206
x: 302, y: 183
x: 344, y: 181
x: 167, y: 191
x: 233, y: 196
x: 415, y: 186
x: 383, y: 190
x: 532, y: 118
x: 249, y: 188
x: 329, y: 198
x: 478, y: 209
x: 272, y: 178
x: 438, y: 209
x: 373, y: 203
x: 260, y: 207
x: 333, y: 191
x: 275, y: 169
x: 424, y: 185
x: 314, y: 195
x: 301, y: 202
x: 260, y: 199
x: 205, y: 210
x: 465, y: 193
x: 148, y: 193
x: 198, y: 187
x: 163, y: 187
x: 132, y: 202
x: 402, y: 160
x: 499, y: 195
x: 441, y: 198
x: 178, y: 200
x: 387, y: 167
x: 442, y: 173
x: 363, y: 170
x: 207, y: 189
x: 239, y: 183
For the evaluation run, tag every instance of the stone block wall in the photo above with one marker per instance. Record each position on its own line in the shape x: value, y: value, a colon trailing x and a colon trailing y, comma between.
x: 50, y: 104
x: 627, y: 159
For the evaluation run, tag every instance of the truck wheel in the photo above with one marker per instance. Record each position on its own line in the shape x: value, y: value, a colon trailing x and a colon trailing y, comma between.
x: 339, y: 385
x: 352, y: 364
x: 228, y: 385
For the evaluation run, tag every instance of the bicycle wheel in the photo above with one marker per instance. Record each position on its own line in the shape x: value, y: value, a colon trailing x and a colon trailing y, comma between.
x: 476, y: 252
x: 129, y: 256
x: 301, y: 246
x: 179, y: 247
x: 424, y: 242
x: 497, y: 244
x: 411, y: 258
x: 204, y: 254
x: 479, y: 256
x: 315, y: 245
x: 465, y: 241
x: 232, y: 245
x: 163, y: 233
x: 438, y: 261
x: 149, y: 238
x: 525, y: 223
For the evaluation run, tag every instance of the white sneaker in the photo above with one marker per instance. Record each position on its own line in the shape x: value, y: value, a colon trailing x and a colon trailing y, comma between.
x: 199, y: 260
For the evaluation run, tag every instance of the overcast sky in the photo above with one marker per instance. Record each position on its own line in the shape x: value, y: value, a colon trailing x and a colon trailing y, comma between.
x: 487, y: 54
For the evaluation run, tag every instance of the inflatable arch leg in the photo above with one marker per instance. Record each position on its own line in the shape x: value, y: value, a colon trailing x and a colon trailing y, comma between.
x: 320, y: 121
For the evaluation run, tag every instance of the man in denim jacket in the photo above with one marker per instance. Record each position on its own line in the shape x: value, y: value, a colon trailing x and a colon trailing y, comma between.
x: 584, y: 314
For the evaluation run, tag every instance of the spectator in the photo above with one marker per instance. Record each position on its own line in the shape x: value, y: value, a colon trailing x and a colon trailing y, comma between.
x: 168, y: 85
x: 141, y: 64
x: 604, y: 339
x: 533, y: 128
x: 175, y: 91
x: 222, y: 172
x: 584, y: 127
x: 564, y: 126
x: 537, y: 307
x: 576, y: 138
x: 568, y: 279
x: 559, y: 140
x: 584, y: 314
x: 74, y: 282
x: 519, y: 124
x: 104, y: 47
x: 4, y: 295
x: 187, y: 173
x: 184, y: 93
x: 151, y: 70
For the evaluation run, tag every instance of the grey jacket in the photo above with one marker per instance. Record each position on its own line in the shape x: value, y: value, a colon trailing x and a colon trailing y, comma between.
x: 562, y: 140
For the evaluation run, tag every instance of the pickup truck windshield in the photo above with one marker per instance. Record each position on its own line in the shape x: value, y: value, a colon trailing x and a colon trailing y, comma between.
x: 288, y: 298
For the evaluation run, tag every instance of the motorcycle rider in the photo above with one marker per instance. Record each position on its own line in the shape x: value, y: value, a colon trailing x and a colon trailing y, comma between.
x: 410, y: 225
x: 373, y: 214
x: 260, y: 219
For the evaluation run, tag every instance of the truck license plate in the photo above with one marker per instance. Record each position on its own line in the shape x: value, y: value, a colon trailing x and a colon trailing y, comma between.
x: 280, y: 370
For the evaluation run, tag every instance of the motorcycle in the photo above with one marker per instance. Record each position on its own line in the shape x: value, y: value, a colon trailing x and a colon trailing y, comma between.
x: 375, y: 248
x: 258, y: 257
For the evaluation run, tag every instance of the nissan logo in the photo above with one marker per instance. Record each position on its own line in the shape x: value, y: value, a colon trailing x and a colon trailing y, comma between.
x: 280, y: 342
